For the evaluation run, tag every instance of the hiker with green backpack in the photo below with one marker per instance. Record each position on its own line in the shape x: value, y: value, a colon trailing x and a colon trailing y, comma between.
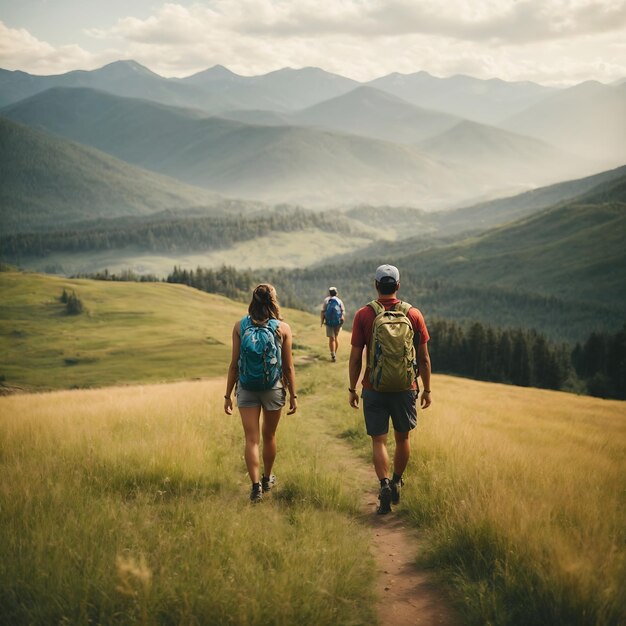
x: 262, y: 370
x: 396, y: 338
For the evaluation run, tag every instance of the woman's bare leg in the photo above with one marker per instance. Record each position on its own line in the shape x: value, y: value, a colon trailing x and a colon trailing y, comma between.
x: 270, y: 424
x: 250, y: 417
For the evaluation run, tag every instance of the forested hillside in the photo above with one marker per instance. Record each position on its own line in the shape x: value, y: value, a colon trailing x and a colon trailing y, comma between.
x: 47, y: 181
x: 173, y: 232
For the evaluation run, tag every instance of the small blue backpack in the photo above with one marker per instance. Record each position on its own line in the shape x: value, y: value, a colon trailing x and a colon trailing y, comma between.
x: 332, y: 316
x: 260, y: 362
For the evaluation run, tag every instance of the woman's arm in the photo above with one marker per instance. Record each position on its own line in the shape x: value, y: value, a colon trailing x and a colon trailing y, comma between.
x: 289, y: 371
x: 233, y: 371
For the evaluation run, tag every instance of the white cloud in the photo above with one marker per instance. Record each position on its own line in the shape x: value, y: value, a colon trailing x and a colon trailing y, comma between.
x: 545, y: 41
x: 19, y: 50
x: 503, y: 21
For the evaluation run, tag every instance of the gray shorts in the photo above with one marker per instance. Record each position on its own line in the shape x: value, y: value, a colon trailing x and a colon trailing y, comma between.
x: 379, y: 406
x: 270, y: 399
x: 332, y: 331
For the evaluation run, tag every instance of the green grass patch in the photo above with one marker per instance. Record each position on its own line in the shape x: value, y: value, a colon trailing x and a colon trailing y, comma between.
x: 128, y: 333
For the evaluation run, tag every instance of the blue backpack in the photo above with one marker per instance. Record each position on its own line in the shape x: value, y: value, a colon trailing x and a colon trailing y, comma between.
x: 260, y: 362
x: 332, y: 316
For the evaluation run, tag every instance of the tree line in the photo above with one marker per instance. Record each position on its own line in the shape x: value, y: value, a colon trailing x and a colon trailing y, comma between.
x: 170, y: 235
x: 515, y: 356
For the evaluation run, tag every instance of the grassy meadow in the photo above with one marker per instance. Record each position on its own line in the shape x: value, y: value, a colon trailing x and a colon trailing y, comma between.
x: 128, y: 333
x: 128, y: 504
x: 524, y: 495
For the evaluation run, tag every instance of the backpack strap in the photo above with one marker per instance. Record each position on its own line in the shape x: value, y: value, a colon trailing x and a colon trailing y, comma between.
x: 377, y: 306
x: 245, y: 323
x: 405, y: 307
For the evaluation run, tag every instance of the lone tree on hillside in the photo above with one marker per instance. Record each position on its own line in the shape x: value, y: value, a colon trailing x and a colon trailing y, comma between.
x: 73, y: 304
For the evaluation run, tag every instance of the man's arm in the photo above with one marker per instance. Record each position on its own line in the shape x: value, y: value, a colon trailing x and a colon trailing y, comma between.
x: 423, y: 359
x: 354, y: 370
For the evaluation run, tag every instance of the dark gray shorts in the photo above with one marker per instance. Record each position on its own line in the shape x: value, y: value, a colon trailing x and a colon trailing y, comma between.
x: 270, y: 399
x: 379, y: 406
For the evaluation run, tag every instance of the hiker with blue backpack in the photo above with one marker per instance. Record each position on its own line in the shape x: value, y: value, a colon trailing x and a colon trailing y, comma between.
x: 332, y: 315
x: 262, y: 370
x: 396, y: 338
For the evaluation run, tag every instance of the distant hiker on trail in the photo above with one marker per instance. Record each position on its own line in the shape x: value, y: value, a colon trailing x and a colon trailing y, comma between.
x: 333, y: 315
x: 262, y: 368
x: 397, y: 349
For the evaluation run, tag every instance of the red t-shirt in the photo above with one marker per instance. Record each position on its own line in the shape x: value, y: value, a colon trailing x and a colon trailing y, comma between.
x: 362, y: 330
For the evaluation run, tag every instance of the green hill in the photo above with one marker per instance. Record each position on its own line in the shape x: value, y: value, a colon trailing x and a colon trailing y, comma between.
x: 574, y: 251
x: 128, y: 332
x: 48, y: 181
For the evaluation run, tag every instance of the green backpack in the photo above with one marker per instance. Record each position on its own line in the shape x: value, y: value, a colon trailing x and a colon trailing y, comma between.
x: 392, y: 352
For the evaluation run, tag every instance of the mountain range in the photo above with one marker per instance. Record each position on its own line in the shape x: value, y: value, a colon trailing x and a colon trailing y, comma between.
x: 361, y: 146
x: 486, y: 101
x: 272, y: 163
x: 567, y: 118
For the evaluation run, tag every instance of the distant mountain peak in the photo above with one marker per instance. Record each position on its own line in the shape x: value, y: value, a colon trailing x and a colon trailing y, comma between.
x: 399, y: 77
x: 125, y: 67
x: 310, y: 70
x: 217, y: 72
x: 363, y: 96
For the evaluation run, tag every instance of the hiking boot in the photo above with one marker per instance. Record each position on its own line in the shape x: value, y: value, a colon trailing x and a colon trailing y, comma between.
x: 395, y: 490
x: 256, y: 494
x: 267, y: 482
x: 384, y: 499
x: 333, y: 357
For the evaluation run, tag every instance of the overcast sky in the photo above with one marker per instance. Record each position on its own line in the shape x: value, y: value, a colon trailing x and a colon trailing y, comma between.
x: 547, y: 41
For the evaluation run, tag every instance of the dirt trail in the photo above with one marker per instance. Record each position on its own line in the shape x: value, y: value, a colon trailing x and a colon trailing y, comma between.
x: 407, y: 594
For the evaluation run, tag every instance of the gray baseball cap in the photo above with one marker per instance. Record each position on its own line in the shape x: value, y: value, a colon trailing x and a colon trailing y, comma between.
x: 387, y: 274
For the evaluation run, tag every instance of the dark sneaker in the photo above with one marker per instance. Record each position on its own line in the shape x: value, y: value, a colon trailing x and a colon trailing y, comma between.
x: 395, y: 490
x: 256, y: 495
x: 384, y: 500
x: 267, y: 482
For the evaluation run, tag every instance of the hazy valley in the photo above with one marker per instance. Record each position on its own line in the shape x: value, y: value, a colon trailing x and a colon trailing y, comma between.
x: 491, y: 189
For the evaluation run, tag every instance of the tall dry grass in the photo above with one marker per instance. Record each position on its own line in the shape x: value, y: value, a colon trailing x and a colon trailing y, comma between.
x: 524, y: 495
x: 130, y: 505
